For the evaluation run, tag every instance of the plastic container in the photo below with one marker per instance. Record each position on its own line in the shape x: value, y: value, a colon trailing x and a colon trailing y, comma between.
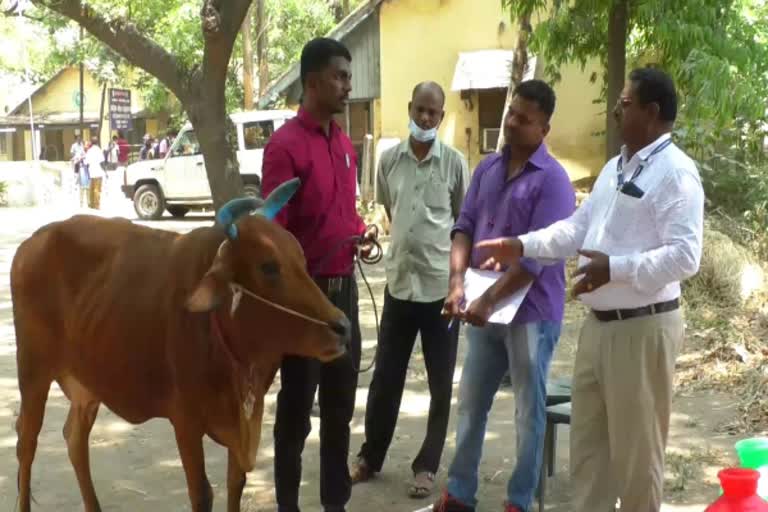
x: 753, y: 454
x: 740, y: 492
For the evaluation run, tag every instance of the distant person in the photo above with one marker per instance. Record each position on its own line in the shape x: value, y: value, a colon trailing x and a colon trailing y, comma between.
x: 147, y: 151
x: 94, y: 159
x: 123, y: 150
x: 164, y: 145
x: 76, y: 153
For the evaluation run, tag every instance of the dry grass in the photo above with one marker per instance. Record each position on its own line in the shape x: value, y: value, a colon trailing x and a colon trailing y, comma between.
x: 726, y: 339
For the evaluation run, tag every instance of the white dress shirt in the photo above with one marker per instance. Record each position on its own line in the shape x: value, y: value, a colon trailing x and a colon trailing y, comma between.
x: 654, y: 242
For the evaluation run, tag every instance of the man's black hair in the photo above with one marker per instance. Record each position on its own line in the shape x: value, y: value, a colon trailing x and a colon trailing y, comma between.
x: 539, y: 92
x: 317, y: 55
x: 653, y: 85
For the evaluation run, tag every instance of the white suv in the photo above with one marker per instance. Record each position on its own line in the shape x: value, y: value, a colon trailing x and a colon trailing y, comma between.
x: 178, y: 183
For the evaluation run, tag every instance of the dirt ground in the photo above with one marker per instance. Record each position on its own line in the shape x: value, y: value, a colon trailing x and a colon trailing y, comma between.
x: 137, y: 468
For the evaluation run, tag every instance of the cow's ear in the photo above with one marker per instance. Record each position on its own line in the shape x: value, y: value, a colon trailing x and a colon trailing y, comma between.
x: 215, y: 284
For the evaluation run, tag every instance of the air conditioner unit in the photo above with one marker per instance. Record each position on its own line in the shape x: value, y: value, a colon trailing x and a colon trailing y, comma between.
x: 490, y: 139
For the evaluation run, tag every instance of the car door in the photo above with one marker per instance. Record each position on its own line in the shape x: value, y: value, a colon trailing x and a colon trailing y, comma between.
x: 187, y: 169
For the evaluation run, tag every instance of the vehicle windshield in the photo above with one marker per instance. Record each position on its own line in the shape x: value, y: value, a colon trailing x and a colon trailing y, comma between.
x: 186, y: 144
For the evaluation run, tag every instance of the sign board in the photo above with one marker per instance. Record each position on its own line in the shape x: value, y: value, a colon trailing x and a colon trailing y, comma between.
x: 120, y: 109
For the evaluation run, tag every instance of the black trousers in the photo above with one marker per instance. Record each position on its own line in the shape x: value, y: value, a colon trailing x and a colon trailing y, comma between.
x: 400, y: 322
x: 337, y: 382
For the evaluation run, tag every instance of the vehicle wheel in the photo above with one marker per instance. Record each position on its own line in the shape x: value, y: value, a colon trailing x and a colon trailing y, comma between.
x: 252, y: 190
x: 148, y: 202
x: 178, y: 211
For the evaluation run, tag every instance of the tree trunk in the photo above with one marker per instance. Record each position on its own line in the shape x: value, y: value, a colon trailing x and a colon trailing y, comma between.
x: 519, y: 64
x: 82, y: 97
x: 200, y: 89
x: 261, y: 46
x: 247, y: 62
x: 618, y: 26
x: 101, y: 112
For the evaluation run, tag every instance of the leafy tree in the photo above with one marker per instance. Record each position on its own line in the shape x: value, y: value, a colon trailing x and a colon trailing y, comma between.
x: 715, y: 49
x: 185, y: 47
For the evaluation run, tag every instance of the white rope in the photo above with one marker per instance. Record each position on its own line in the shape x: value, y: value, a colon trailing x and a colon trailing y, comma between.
x: 238, y: 290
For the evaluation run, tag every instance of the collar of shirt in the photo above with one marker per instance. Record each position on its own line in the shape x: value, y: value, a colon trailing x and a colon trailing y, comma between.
x: 643, y: 154
x: 536, y: 162
x: 309, y: 122
x: 435, y: 151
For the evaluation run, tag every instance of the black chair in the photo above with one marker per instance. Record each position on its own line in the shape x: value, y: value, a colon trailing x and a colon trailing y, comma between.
x: 558, y: 414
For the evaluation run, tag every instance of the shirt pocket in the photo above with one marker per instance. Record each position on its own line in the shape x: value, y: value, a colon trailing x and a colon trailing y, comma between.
x: 627, y: 218
x: 436, y: 195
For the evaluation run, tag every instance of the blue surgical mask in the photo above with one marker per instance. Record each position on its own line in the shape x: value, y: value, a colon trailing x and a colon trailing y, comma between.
x: 421, y: 134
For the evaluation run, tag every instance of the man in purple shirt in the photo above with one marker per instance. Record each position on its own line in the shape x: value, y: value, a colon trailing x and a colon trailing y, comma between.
x: 520, y: 190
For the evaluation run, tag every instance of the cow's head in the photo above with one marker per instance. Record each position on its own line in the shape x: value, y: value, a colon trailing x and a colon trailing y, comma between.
x: 265, y: 259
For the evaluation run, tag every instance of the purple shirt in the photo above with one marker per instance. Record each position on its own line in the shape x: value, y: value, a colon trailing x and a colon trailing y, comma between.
x: 496, y: 207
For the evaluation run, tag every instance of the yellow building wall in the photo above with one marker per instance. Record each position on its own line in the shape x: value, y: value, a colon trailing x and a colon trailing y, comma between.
x: 59, y: 95
x: 421, y: 40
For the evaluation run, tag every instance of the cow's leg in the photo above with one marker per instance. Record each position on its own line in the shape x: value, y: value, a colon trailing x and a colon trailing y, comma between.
x: 190, y: 442
x: 235, y: 483
x: 34, y: 394
x: 82, y: 414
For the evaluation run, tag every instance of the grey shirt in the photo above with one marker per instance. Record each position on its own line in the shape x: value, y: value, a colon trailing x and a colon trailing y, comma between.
x: 423, y: 200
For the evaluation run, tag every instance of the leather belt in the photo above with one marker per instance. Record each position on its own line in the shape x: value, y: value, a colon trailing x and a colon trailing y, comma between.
x: 331, y: 285
x: 626, y: 314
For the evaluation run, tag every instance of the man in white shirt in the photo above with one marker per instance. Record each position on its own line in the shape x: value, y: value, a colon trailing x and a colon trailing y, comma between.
x: 638, y: 235
x: 94, y: 158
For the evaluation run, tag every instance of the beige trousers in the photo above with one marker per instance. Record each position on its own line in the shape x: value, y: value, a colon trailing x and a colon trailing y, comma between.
x: 622, y: 395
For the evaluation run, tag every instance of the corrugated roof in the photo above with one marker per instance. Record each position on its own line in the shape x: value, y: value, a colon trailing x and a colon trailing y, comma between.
x: 345, y: 26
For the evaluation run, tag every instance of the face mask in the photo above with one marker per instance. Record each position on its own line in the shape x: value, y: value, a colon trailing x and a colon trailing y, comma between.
x: 421, y: 134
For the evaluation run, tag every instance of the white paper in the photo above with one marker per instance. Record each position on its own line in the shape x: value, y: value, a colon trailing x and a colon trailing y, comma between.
x: 476, y: 282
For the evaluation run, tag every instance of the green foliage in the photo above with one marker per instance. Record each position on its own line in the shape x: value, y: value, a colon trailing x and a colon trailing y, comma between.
x: 291, y: 23
x: 717, y: 53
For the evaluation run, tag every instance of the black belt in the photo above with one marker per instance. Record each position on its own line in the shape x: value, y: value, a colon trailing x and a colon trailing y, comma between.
x: 626, y: 314
x: 331, y: 285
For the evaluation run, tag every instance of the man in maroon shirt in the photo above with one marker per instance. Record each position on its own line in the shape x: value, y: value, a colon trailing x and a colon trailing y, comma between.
x: 324, y: 219
x: 123, y: 149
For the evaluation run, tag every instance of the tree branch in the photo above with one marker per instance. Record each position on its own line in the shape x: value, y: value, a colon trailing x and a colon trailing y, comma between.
x: 125, y: 39
x: 221, y: 21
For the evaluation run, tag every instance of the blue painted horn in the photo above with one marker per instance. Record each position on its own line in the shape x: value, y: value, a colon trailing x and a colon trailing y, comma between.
x: 269, y: 208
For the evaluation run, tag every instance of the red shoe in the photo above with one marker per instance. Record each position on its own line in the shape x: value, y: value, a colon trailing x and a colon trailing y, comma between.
x: 448, y: 503
x: 511, y: 508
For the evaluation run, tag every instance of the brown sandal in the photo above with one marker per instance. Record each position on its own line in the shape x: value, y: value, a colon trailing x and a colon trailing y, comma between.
x: 423, y: 484
x: 361, y: 471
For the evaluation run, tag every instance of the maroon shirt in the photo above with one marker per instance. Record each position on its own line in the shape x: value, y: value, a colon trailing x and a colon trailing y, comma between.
x: 323, y: 212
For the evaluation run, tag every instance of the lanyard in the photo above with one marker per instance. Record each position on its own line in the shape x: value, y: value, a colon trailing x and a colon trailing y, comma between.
x: 619, y: 166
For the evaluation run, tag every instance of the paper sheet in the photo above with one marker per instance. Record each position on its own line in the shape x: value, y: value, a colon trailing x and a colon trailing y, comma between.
x: 475, y: 284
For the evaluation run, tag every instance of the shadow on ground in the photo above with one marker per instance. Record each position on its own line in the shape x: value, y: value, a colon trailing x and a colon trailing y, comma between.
x: 138, y: 467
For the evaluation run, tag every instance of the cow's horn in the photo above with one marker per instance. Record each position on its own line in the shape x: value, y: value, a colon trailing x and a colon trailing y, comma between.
x: 278, y: 198
x: 233, y: 210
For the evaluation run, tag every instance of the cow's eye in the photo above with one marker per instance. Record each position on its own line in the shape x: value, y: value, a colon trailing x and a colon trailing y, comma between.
x: 271, y: 268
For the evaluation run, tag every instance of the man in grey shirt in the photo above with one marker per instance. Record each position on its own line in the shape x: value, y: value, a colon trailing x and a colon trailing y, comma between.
x: 421, y: 183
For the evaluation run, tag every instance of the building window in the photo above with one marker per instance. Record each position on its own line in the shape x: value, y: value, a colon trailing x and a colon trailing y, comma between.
x: 257, y: 134
x: 490, y: 107
x: 3, y: 144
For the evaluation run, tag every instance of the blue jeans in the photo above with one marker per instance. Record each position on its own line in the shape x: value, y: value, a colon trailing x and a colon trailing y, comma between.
x: 526, y: 351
